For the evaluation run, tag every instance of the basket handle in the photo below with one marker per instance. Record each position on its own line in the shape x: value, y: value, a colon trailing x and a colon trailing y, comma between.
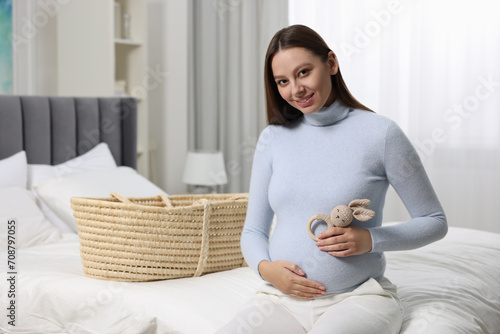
x: 120, y: 197
x: 166, y: 200
x: 238, y: 196
x: 205, y: 241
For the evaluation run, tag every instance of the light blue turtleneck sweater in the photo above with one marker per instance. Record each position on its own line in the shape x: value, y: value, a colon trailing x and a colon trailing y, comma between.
x: 325, y: 159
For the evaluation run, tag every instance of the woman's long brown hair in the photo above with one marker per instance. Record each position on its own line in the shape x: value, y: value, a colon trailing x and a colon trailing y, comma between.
x: 278, y: 110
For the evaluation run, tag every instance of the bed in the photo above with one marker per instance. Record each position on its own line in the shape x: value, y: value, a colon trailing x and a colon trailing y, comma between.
x: 52, y: 148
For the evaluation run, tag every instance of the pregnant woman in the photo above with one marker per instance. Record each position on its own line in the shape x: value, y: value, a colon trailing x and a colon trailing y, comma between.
x: 323, y: 148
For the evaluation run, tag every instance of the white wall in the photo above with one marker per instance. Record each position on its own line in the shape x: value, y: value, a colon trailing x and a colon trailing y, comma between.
x: 36, y: 73
x: 168, y: 33
x: 84, y: 50
x: 35, y: 52
x: 46, y: 49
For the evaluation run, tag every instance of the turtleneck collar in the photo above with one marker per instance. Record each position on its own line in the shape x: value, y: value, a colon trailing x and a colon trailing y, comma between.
x: 327, y: 115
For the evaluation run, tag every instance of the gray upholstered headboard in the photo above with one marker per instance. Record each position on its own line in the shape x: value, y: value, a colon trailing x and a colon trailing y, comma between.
x: 53, y: 130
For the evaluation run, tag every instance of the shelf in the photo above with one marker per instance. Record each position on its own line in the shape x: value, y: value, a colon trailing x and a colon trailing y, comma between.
x: 121, y: 41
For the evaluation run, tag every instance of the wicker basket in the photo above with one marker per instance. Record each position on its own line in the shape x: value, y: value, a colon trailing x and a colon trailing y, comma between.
x: 146, y: 239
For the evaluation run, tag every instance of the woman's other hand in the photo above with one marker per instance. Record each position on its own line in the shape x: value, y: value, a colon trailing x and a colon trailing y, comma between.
x: 345, y: 241
x: 289, y: 279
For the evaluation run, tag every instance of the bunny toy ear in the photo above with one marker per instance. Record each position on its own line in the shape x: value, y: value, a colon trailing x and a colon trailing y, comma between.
x: 359, y: 210
x: 359, y: 203
x: 363, y: 214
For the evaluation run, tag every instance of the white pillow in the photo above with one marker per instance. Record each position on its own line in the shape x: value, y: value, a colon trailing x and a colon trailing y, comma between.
x: 57, y: 193
x: 13, y: 171
x: 60, y: 224
x: 98, y: 158
x: 31, y: 226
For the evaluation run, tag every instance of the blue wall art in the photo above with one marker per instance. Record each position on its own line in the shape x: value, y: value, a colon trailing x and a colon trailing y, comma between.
x: 6, y: 65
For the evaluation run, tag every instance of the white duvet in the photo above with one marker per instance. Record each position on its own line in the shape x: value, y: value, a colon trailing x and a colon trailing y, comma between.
x: 451, y: 286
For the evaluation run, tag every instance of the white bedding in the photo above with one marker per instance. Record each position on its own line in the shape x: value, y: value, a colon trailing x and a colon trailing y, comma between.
x: 451, y: 286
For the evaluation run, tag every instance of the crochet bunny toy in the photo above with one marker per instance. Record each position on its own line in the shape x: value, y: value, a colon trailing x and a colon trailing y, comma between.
x: 342, y: 215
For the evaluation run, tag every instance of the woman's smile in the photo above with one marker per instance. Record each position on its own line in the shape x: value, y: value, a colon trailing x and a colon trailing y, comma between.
x: 306, y: 102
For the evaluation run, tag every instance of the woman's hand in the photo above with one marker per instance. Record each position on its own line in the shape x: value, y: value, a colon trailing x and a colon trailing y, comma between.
x: 288, y: 278
x: 345, y: 241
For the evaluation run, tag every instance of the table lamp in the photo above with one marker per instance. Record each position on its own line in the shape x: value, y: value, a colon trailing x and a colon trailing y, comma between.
x: 205, y: 171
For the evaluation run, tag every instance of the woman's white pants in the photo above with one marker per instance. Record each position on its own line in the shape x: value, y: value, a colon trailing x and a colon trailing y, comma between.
x: 373, y: 307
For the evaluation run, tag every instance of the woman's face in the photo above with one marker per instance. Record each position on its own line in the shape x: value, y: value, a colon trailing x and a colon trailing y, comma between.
x: 303, y: 79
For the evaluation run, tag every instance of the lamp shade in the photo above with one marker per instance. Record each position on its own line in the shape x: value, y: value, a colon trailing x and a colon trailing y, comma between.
x: 204, y: 168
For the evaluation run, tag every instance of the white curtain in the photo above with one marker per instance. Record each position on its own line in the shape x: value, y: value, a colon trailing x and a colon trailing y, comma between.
x: 227, y: 111
x: 434, y: 68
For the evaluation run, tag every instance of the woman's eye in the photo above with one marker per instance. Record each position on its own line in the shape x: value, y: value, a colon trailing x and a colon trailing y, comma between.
x: 281, y: 82
x: 303, y: 72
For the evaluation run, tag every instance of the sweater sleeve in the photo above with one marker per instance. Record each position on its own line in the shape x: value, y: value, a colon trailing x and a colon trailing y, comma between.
x: 255, y: 235
x: 405, y: 172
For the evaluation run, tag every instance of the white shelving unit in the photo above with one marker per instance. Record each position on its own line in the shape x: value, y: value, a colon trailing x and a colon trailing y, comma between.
x: 130, y: 62
x: 88, y: 59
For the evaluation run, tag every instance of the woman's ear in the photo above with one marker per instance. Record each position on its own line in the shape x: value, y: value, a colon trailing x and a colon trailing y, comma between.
x: 332, y: 63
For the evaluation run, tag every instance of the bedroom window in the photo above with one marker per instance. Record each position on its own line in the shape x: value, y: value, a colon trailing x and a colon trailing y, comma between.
x: 432, y: 66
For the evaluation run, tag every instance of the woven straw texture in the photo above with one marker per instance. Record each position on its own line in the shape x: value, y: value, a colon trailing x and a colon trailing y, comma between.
x: 154, y: 238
